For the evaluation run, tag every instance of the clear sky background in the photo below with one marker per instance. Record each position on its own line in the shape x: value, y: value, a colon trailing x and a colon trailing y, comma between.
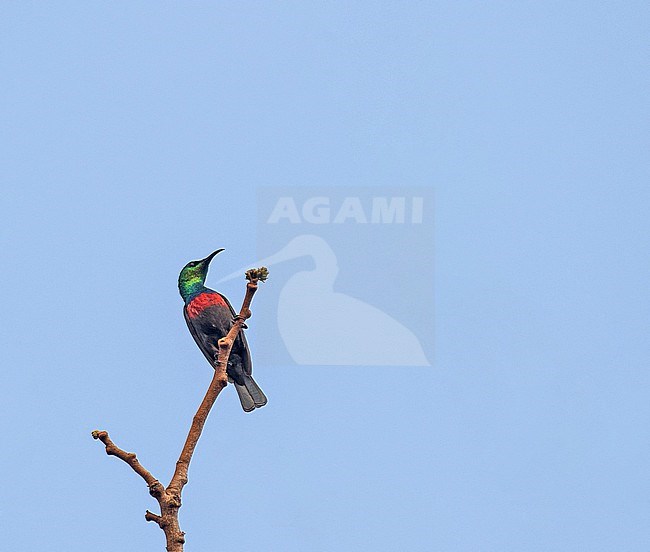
x: 134, y: 138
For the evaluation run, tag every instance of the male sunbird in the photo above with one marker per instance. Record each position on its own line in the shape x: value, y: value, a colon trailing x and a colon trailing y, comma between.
x: 209, y: 316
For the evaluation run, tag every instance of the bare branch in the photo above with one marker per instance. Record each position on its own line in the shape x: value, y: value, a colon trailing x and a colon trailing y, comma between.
x: 169, y: 498
x: 219, y: 381
x: 129, y: 457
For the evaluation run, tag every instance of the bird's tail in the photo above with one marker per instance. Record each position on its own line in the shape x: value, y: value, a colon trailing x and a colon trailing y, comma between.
x: 250, y: 394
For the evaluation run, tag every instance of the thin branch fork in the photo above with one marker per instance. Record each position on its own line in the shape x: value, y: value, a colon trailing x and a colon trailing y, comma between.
x: 169, y: 498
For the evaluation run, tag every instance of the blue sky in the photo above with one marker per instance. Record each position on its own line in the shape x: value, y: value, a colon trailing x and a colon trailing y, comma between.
x: 136, y: 137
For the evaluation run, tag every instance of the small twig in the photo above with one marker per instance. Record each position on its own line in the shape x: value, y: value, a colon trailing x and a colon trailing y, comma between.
x: 129, y: 457
x: 150, y: 516
x: 169, y: 498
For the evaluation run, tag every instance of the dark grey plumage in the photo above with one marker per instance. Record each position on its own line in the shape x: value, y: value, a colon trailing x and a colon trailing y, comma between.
x: 207, y: 327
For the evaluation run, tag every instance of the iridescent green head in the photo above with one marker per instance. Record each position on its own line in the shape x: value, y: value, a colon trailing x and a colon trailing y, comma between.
x: 192, y: 278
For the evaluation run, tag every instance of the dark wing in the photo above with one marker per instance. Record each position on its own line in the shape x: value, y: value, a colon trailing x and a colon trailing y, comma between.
x: 209, y: 350
x: 200, y: 342
x: 239, y: 364
x: 246, y: 352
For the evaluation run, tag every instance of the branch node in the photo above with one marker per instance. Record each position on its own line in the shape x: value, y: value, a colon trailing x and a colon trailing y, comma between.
x: 173, y: 499
x: 156, y: 489
x: 150, y: 516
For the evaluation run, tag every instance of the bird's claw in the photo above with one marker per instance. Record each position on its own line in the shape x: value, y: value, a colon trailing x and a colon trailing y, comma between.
x: 239, y: 317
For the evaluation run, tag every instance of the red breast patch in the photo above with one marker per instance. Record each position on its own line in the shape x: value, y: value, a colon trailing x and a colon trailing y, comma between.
x: 201, y: 302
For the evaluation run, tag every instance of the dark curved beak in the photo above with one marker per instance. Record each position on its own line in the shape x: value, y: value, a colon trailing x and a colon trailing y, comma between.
x: 211, y: 256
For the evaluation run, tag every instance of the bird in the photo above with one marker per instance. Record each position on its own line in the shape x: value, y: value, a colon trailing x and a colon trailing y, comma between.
x: 209, y: 317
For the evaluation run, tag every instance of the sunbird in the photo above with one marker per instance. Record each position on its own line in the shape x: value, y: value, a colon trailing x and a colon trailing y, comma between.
x: 209, y: 317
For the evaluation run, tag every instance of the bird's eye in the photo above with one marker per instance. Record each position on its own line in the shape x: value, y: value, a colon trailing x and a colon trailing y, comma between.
x: 193, y: 263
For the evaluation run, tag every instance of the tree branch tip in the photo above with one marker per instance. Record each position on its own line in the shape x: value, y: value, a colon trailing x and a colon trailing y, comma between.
x: 255, y: 274
x: 97, y: 434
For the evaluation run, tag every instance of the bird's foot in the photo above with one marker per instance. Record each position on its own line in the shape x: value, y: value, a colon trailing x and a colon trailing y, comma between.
x: 239, y: 317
